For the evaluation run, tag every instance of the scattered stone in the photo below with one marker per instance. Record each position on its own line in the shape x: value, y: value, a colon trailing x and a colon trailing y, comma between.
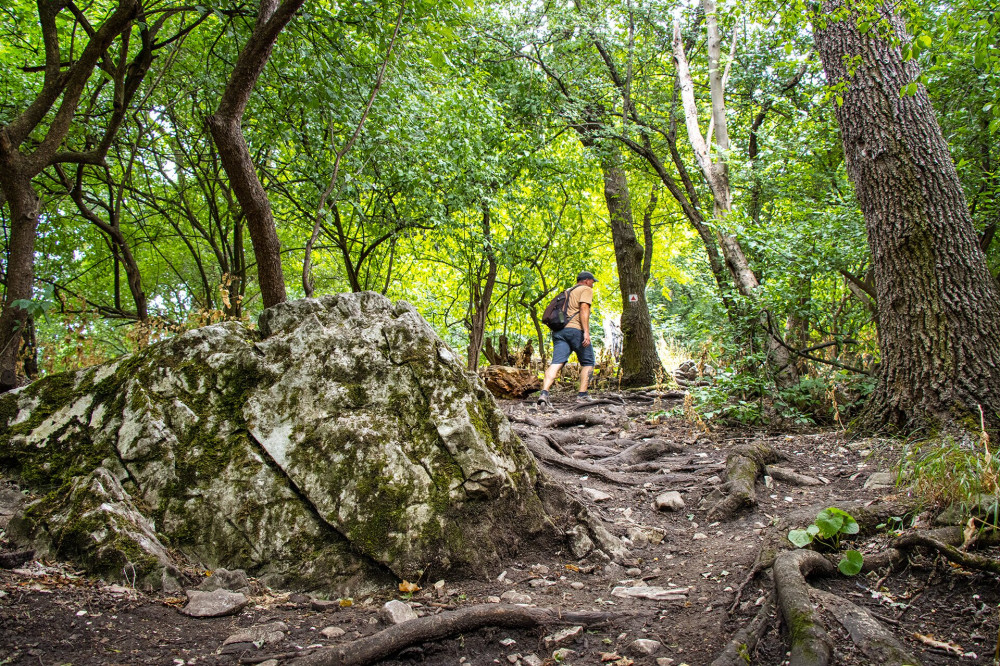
x: 645, y: 647
x: 651, y: 592
x: 531, y: 660
x: 643, y: 535
x: 324, y: 604
x: 269, y: 662
x: 492, y: 599
x: 331, y: 632
x: 669, y: 501
x: 515, y: 597
x: 562, y: 654
x: 507, y: 642
x: 514, y: 658
x: 217, y: 603
x: 272, y: 632
x: 540, y: 569
x: 540, y: 582
x: 634, y: 571
x: 562, y: 636
x: 299, y: 599
x: 595, y: 495
x: 396, y: 612
x: 580, y: 543
x: 880, y: 481
x: 664, y: 661
x: 577, y: 585
x: 713, y: 480
x: 223, y: 579
x: 698, y: 536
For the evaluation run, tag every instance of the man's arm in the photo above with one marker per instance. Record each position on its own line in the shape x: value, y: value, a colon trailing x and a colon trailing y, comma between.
x: 585, y: 323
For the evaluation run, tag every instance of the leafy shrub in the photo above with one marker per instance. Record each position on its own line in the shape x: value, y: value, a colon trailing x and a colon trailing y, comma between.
x: 828, y: 528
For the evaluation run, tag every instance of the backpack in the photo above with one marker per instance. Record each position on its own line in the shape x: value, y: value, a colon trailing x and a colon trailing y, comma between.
x: 555, y: 313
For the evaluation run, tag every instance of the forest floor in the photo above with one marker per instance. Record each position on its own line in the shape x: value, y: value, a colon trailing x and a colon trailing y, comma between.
x: 50, y: 614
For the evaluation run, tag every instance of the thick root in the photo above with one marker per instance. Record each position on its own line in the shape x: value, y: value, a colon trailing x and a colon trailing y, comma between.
x: 791, y: 476
x: 739, y: 650
x: 874, y: 641
x: 809, y: 643
x: 640, y: 452
x: 544, y: 452
x: 743, y: 466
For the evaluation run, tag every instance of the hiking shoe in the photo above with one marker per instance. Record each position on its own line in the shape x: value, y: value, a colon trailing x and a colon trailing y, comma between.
x: 585, y: 398
x: 543, y: 402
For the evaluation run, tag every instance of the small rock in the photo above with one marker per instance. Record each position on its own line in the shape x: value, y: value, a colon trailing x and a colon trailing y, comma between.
x: 324, y: 604
x: 331, y: 632
x: 768, y: 481
x: 396, y: 612
x: 540, y: 569
x: 880, y: 480
x: 669, y: 501
x: 664, y: 661
x: 713, y: 480
x: 272, y: 632
x: 577, y: 585
x: 645, y: 646
x: 540, y: 582
x: 595, y: 495
x: 562, y: 654
x: 507, y: 642
x: 223, y: 579
x: 651, y: 592
x: 634, y: 571
x: 562, y: 636
x: 643, y: 535
x: 515, y: 597
x: 492, y: 599
x: 217, y: 603
x: 299, y: 599
x: 514, y: 658
x: 698, y: 536
x: 580, y: 543
x: 531, y: 660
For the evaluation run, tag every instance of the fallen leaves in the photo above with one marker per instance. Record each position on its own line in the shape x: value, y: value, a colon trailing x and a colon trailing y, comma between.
x: 408, y: 588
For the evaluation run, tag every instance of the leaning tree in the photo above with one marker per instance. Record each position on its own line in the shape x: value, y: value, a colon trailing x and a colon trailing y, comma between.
x: 938, y: 309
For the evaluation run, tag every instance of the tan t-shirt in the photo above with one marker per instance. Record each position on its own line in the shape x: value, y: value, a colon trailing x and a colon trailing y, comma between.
x: 582, y: 294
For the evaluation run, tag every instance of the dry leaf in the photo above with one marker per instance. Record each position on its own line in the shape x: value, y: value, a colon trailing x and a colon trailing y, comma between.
x: 948, y: 646
x: 572, y: 567
x: 346, y: 603
x: 407, y: 586
x: 610, y: 656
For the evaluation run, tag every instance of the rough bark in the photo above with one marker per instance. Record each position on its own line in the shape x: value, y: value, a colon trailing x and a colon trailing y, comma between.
x: 227, y: 132
x: 938, y: 309
x: 23, y: 206
x: 481, y: 296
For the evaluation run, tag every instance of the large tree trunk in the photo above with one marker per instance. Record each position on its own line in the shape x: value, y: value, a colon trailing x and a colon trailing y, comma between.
x: 639, y: 361
x: 226, y: 127
x: 939, y: 312
x: 23, y: 206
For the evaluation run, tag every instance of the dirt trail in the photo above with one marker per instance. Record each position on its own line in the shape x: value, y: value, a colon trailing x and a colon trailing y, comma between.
x: 617, y: 461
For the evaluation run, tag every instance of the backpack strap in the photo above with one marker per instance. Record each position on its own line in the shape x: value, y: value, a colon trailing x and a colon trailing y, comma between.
x: 568, y: 291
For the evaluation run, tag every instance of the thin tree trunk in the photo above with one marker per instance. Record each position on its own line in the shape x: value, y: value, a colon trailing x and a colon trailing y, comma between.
x: 23, y: 207
x: 480, y: 299
x: 938, y: 309
x: 639, y: 361
x: 226, y: 128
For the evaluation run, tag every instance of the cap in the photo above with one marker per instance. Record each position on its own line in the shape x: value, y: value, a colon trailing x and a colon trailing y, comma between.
x: 585, y: 275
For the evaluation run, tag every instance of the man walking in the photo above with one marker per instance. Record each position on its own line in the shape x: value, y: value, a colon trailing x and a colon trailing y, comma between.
x: 575, y: 337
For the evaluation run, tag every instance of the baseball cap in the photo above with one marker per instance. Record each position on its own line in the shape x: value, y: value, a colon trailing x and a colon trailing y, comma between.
x: 585, y: 275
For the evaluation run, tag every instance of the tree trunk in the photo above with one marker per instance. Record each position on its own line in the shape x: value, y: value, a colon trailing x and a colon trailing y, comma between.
x: 639, y: 361
x: 938, y: 309
x: 480, y: 298
x: 23, y: 206
x: 226, y: 128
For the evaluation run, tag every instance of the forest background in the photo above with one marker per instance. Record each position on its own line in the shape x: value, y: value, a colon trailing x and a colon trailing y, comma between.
x: 166, y: 165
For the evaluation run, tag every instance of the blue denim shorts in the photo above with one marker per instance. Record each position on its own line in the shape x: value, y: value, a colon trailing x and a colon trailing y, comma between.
x: 571, y: 340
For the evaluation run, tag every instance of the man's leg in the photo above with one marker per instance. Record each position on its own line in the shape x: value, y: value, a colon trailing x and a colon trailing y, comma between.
x: 551, y: 373
x: 560, y: 354
x: 585, y: 372
x: 586, y: 357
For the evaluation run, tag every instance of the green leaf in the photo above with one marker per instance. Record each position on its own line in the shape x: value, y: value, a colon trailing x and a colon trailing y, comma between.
x: 851, y: 564
x: 813, y: 530
x: 800, y: 538
x: 829, y: 524
x: 925, y: 41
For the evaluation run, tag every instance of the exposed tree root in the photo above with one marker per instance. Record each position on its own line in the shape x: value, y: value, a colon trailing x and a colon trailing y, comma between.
x: 874, y: 641
x: 543, y: 451
x: 571, y: 420
x: 597, y: 402
x: 739, y: 650
x: 743, y: 466
x: 953, y: 554
x: 808, y: 641
x: 388, y: 642
x: 592, y: 451
x: 643, y: 451
x: 791, y: 476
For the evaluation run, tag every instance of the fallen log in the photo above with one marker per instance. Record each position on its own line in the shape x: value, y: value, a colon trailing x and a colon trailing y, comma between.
x: 394, y: 639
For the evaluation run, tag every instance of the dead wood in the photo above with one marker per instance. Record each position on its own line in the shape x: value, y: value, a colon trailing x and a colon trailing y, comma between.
x: 392, y: 640
x: 15, y: 559
x: 544, y: 451
x: 739, y: 650
x: 507, y: 382
x: 791, y: 476
x: 743, y: 466
x: 809, y: 643
x: 643, y: 451
x: 571, y: 420
x: 874, y: 641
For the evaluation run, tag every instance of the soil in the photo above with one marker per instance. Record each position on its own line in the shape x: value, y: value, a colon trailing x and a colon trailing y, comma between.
x: 51, y: 614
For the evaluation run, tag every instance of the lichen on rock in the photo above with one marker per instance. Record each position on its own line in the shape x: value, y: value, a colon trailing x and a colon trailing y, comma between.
x: 341, y: 447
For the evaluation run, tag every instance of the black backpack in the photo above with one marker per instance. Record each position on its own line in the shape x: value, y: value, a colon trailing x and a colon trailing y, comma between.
x: 555, y: 314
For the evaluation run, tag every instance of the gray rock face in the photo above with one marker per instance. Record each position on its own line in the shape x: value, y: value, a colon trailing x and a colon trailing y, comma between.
x: 341, y: 446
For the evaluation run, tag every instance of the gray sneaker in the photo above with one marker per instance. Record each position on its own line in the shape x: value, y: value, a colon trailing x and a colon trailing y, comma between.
x: 585, y: 398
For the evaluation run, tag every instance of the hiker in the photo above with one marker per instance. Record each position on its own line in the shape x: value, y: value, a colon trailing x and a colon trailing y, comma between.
x: 573, y: 337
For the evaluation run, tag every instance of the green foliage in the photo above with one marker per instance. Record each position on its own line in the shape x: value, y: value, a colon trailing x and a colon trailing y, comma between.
x: 949, y: 472
x: 830, y: 526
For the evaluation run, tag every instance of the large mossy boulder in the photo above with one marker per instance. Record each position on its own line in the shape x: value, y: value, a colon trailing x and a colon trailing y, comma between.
x: 340, y: 447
